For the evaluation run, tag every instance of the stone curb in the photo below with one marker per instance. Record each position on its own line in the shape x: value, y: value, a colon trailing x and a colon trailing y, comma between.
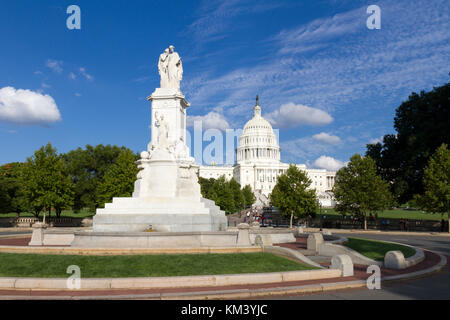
x: 170, y: 282
x: 417, y: 258
x: 243, y: 293
x: 358, y: 258
x: 291, y: 254
x: 124, y: 251
x: 15, y: 236
x: 417, y: 274
x: 396, y: 233
x: 329, y: 249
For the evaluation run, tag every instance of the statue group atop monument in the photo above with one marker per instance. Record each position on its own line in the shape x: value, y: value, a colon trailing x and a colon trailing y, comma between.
x: 170, y: 68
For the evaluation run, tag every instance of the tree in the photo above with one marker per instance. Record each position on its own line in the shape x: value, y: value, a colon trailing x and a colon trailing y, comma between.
x: 10, y: 188
x: 436, y: 198
x: 87, y: 168
x: 292, y: 196
x: 46, y: 182
x: 118, y: 180
x: 422, y: 124
x: 207, y: 188
x: 249, y: 196
x: 225, y: 197
x: 359, y: 190
x: 228, y: 195
x: 238, y: 196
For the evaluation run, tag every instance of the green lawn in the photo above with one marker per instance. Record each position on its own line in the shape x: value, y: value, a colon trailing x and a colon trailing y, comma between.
x: 393, y: 214
x: 46, y: 266
x: 376, y: 250
x: 84, y: 213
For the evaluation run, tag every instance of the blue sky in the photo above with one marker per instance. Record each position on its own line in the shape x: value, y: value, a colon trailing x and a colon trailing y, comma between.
x: 327, y: 82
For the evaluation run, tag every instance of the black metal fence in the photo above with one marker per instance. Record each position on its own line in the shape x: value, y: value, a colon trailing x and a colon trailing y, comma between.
x: 277, y: 220
x: 29, y: 221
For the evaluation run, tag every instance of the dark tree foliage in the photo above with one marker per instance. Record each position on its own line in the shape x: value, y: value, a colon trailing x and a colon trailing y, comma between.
x: 88, y: 168
x: 422, y: 124
x: 228, y: 195
x: 10, y: 188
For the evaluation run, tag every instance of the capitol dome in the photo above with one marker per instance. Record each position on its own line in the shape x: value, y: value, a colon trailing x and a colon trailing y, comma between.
x: 258, y: 143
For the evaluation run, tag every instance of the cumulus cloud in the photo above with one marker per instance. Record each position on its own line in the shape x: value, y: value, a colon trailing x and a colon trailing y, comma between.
x: 212, y: 120
x: 292, y: 115
x: 27, y: 107
x: 55, y: 65
x: 328, y: 163
x: 327, y: 138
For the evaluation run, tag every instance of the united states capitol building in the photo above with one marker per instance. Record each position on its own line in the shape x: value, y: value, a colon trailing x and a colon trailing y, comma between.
x: 258, y: 164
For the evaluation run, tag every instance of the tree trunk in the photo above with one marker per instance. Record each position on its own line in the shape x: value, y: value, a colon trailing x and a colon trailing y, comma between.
x: 292, y: 218
x: 365, y: 222
x: 44, y: 218
x: 448, y: 223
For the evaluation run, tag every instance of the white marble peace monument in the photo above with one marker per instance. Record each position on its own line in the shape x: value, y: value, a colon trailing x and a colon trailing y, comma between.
x: 167, y: 194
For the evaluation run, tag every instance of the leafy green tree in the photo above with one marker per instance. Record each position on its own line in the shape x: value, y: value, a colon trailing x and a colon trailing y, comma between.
x: 436, y: 198
x: 207, y: 188
x: 422, y: 124
x: 248, y: 195
x: 87, y: 168
x: 225, y: 197
x: 228, y: 195
x: 46, y: 182
x: 359, y: 190
x: 238, y: 195
x: 292, y: 196
x: 118, y: 180
x: 10, y: 188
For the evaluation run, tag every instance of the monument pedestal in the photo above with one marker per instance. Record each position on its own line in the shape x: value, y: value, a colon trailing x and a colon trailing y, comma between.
x: 161, y: 214
x: 166, y: 198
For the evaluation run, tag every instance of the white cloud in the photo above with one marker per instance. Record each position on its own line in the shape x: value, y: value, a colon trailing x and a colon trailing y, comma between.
x: 141, y: 79
x: 328, y: 163
x: 376, y: 140
x: 72, y: 76
x: 291, y: 115
x: 309, y: 36
x: 27, y: 107
x: 214, y: 18
x: 212, y: 120
x: 334, y: 62
x: 85, y: 74
x: 55, y: 65
x: 327, y: 138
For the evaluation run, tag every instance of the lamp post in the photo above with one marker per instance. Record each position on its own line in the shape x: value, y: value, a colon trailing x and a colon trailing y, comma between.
x: 320, y: 213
